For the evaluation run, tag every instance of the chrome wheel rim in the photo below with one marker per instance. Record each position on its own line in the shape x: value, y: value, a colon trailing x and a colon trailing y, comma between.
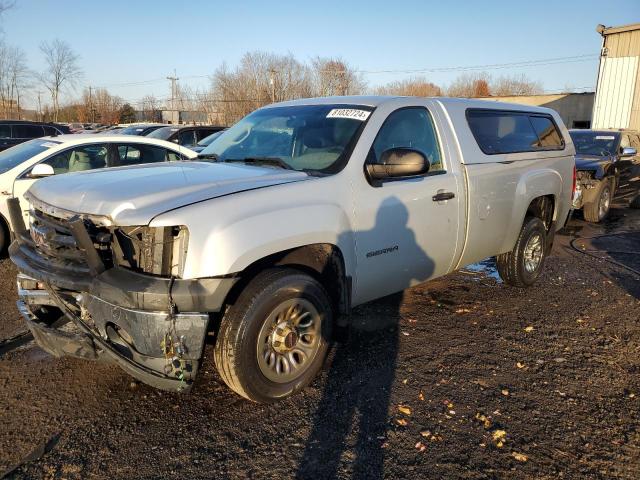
x: 605, y: 201
x: 533, y: 253
x: 289, y: 340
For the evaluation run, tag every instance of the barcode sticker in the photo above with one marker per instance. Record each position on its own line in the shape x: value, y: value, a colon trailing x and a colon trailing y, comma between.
x: 352, y: 113
x: 605, y: 137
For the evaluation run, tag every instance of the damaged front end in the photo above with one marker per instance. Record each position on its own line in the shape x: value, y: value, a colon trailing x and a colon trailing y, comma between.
x: 586, y: 182
x: 121, y: 288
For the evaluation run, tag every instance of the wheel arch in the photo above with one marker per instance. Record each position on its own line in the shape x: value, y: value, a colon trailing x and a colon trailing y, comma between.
x: 322, y: 261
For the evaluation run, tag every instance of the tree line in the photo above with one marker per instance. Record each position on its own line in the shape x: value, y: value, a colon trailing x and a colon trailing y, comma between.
x: 259, y: 78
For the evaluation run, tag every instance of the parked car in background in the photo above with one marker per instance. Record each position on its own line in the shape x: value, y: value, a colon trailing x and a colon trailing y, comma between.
x: 206, y: 141
x: 601, y: 157
x: 76, y: 127
x: 307, y: 209
x: 22, y: 165
x: 185, y: 135
x: 142, y: 129
x: 14, y: 132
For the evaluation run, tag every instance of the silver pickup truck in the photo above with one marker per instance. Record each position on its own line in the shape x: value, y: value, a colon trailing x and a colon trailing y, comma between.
x: 296, y: 214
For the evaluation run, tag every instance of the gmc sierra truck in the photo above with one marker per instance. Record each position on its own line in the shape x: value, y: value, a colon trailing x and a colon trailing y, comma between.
x: 292, y: 217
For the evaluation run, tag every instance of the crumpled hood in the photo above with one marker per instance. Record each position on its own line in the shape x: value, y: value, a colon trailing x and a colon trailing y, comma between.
x: 135, y: 195
x: 592, y: 162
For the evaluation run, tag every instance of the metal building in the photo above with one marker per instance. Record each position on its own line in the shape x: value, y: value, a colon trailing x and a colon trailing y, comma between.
x: 617, y: 103
x: 574, y: 108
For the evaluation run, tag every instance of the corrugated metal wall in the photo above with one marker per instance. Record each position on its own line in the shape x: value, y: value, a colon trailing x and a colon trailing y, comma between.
x: 617, y: 103
x: 615, y: 92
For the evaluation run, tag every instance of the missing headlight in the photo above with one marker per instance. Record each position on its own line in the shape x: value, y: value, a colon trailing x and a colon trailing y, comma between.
x: 153, y: 250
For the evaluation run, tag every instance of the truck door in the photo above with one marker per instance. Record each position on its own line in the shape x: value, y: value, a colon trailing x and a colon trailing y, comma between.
x: 407, y: 229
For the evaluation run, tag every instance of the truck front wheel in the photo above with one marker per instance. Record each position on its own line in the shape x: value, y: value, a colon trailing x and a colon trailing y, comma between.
x: 522, y: 266
x: 273, y: 340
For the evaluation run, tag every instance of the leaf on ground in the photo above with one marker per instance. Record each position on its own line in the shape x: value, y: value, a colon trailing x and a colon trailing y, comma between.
x: 426, y: 433
x: 505, y: 392
x: 486, y: 421
x: 520, y: 365
x: 499, y: 437
x: 528, y: 329
x: 421, y: 396
x: 404, y: 409
x: 521, y: 457
x: 402, y: 422
x: 463, y: 310
x: 421, y: 447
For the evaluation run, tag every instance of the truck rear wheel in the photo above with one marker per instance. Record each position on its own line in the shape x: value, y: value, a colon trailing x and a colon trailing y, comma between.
x: 597, y: 210
x: 522, y: 266
x: 274, y: 339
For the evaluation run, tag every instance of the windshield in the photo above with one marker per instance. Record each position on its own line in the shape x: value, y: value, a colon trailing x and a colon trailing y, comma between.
x: 207, y: 140
x: 314, y: 138
x: 163, y: 133
x: 588, y: 142
x: 14, y: 156
x: 137, y: 130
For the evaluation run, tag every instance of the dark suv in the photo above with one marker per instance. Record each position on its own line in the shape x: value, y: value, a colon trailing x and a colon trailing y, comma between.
x: 185, y: 135
x: 13, y: 132
x: 602, y: 156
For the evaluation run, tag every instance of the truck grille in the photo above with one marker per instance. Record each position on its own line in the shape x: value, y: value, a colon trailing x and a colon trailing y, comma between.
x: 53, y: 240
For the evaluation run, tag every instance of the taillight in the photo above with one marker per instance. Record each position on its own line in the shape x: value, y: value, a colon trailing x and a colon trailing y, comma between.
x: 575, y: 179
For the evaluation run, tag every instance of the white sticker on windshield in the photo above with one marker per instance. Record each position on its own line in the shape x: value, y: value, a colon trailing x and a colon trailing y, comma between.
x: 49, y: 144
x: 352, y: 113
x: 605, y: 137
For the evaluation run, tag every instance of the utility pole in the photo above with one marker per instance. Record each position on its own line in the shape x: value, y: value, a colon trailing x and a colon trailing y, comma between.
x: 174, y: 94
x: 40, y: 107
x: 91, y: 106
x: 272, y: 82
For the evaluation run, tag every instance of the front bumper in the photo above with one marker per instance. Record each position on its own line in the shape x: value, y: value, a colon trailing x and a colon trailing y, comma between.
x: 152, y: 327
x: 135, y: 340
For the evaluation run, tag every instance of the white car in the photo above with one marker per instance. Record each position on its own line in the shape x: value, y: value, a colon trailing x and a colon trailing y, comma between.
x: 22, y: 165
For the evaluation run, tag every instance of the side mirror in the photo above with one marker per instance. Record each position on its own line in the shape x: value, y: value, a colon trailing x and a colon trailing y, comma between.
x: 398, y: 163
x: 41, y: 170
x: 629, y: 152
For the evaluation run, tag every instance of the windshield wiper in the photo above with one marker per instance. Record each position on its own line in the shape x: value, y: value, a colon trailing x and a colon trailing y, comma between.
x: 274, y: 161
x: 208, y: 156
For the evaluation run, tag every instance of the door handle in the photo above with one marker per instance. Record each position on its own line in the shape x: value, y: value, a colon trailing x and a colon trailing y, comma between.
x: 442, y: 196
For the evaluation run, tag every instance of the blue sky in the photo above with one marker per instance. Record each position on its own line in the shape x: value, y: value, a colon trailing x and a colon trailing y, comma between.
x: 132, y: 41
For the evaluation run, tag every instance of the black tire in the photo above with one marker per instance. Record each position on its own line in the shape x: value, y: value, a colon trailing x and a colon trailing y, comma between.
x: 597, y: 210
x: 513, y: 266
x: 238, y: 348
x: 5, y: 238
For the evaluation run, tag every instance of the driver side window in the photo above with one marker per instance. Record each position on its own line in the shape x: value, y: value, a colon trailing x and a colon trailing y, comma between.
x: 409, y: 128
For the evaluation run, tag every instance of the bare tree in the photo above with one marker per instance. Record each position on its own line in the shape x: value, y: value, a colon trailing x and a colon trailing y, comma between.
x: 333, y: 76
x: 412, y: 87
x: 515, y: 85
x: 6, y: 5
x: 482, y: 85
x: 260, y: 79
x: 14, y: 76
x: 470, y: 85
x: 62, y: 70
x: 150, y: 107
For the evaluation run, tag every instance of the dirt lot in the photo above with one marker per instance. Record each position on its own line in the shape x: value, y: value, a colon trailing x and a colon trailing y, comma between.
x: 491, y: 381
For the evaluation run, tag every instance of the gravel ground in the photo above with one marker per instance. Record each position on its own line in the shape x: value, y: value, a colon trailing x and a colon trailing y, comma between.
x: 461, y: 378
